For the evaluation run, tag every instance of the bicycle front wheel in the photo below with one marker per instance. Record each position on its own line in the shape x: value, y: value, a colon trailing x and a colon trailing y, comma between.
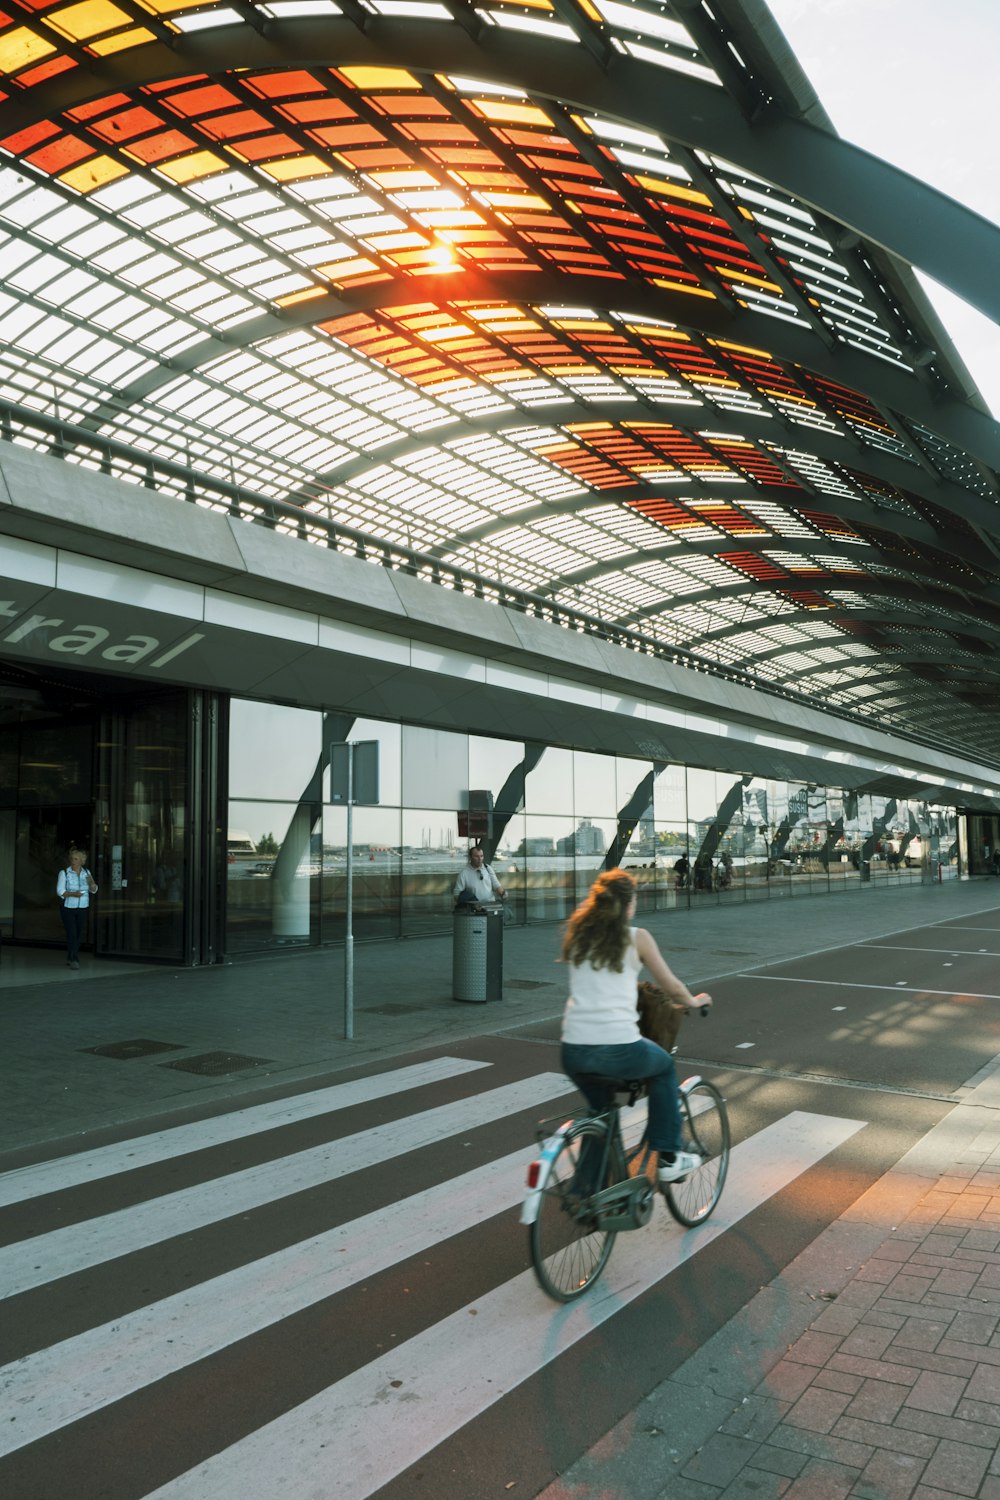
x: 569, y: 1246
x: 693, y: 1198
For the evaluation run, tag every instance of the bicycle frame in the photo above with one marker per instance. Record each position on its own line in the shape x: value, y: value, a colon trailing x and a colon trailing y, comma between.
x: 541, y: 1168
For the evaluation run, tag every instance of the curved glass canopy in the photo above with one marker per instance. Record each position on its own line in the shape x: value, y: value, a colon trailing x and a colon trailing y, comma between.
x: 475, y: 281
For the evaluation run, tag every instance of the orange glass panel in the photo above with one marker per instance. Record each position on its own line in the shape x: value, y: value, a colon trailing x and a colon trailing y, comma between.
x: 201, y: 101
x: 265, y: 147
x: 97, y: 107
x: 32, y: 136
x: 308, y: 111
x: 760, y: 568
x: 60, y: 154
x: 338, y: 136
x: 277, y: 85
x: 418, y: 130
x: 240, y: 122
x: 409, y: 104
x: 127, y: 124
x: 156, y: 148
x: 45, y: 71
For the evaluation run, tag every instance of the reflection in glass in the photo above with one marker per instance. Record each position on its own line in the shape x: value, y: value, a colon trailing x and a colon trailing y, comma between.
x: 594, y: 788
x: 548, y: 785
x: 273, y: 875
x: 670, y: 795
x: 273, y: 751
x: 548, y: 853
x: 344, y: 728
x: 377, y: 873
x: 432, y: 854
x: 435, y: 768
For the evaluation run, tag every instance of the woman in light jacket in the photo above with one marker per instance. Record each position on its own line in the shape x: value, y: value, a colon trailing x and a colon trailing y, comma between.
x: 74, y: 887
x: 600, y: 1032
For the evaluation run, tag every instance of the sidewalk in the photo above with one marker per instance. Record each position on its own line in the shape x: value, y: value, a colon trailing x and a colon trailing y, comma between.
x: 869, y: 1368
x: 276, y: 1022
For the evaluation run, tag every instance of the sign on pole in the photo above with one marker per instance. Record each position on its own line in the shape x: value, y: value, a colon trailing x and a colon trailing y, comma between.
x: 353, y: 779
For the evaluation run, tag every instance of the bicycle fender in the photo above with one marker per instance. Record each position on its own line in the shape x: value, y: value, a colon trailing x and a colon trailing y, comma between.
x: 545, y: 1158
x: 689, y: 1084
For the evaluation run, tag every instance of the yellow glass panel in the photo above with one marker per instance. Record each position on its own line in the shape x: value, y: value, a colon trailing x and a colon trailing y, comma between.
x: 379, y: 78
x: 678, y: 286
x: 733, y: 275
x: 742, y: 349
x: 20, y: 47
x: 649, y: 332
x: 294, y: 167
x: 167, y: 7
x: 512, y: 114
x: 343, y: 270
x: 187, y: 168
x: 531, y: 4
x: 515, y: 200
x: 95, y: 173
x: 308, y: 295
x: 673, y: 190
x: 591, y: 11
x: 90, y: 18
x: 121, y: 42
x: 394, y: 180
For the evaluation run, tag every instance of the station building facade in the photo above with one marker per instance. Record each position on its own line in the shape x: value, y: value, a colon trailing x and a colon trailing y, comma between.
x: 208, y: 812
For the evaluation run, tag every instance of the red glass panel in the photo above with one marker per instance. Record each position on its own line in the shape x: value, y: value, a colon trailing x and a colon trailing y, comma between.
x: 60, y: 154
x: 127, y: 124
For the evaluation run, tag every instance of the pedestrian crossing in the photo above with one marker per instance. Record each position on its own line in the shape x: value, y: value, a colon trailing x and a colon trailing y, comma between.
x: 93, y: 1365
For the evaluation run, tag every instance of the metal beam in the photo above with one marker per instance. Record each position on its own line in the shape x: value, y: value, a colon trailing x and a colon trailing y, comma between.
x: 953, y: 421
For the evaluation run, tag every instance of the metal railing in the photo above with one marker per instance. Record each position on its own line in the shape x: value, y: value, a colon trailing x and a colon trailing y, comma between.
x: 74, y: 443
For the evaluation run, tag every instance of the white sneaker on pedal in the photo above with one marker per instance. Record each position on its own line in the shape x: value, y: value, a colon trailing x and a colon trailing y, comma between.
x: 684, y: 1162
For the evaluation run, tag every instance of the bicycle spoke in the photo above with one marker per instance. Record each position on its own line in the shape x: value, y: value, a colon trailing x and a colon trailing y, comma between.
x: 568, y: 1250
x: 692, y: 1198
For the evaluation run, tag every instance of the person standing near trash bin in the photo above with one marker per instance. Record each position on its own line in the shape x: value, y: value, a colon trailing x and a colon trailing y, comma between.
x: 477, y: 882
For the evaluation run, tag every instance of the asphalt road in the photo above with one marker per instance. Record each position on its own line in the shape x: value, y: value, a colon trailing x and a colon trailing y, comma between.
x: 327, y: 1294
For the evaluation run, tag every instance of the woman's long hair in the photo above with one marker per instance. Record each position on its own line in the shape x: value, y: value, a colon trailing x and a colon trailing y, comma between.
x: 597, y: 932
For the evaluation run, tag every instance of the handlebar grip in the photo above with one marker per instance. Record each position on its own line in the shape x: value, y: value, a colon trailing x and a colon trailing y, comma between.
x: 704, y: 1010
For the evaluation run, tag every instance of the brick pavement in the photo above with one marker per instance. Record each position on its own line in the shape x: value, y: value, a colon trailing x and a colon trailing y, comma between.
x: 890, y: 1391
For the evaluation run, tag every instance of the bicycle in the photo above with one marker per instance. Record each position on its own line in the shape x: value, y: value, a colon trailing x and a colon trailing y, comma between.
x: 588, y: 1183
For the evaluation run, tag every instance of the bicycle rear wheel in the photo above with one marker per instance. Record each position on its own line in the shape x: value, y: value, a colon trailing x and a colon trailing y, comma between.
x: 693, y: 1198
x: 569, y: 1247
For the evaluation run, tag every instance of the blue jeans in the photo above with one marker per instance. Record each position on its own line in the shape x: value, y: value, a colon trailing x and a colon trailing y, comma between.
x: 74, y: 919
x: 628, y: 1060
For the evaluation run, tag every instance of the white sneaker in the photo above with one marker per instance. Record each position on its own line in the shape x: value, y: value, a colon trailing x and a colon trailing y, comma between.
x: 683, y: 1163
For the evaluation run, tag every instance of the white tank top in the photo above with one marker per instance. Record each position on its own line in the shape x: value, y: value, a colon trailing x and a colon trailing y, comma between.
x: 601, y: 1009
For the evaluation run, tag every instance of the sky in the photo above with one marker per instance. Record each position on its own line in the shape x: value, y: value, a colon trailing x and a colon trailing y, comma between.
x: 915, y: 82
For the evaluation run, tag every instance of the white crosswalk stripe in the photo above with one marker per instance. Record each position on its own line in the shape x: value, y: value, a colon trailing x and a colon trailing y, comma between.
x: 164, y: 1145
x: 331, y: 1449
x: 64, y: 1251
x: 431, y: 1385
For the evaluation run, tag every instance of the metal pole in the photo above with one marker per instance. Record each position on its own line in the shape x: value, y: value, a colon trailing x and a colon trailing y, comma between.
x: 349, y: 914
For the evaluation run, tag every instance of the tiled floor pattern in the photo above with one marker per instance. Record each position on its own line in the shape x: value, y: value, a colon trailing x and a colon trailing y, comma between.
x: 893, y: 1393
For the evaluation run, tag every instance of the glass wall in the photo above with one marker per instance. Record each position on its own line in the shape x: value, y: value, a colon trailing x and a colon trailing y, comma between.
x: 549, y: 818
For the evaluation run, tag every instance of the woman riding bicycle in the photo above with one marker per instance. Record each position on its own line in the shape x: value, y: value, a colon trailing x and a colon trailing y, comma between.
x: 600, y: 1032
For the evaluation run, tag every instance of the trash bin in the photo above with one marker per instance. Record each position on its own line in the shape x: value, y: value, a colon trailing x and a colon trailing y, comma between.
x: 866, y: 869
x: 477, y: 953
